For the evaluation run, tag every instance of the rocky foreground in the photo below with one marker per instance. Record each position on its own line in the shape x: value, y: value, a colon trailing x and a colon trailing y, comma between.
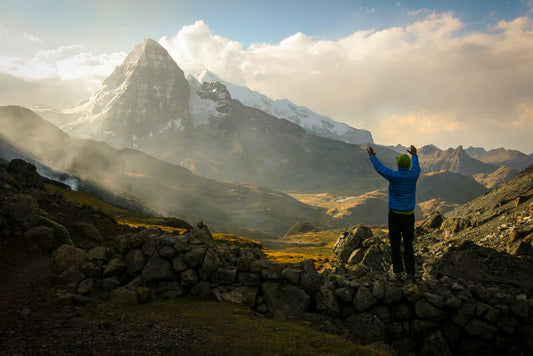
x: 470, y: 299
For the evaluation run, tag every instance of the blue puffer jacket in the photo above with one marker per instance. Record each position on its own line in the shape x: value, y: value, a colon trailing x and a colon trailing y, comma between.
x: 402, y: 184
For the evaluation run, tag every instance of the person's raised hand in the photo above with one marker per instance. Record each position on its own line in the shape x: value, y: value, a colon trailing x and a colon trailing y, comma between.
x: 370, y: 151
x: 412, y: 150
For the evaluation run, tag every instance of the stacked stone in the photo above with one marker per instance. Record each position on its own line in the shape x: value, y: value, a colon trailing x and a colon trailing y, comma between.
x: 442, y: 316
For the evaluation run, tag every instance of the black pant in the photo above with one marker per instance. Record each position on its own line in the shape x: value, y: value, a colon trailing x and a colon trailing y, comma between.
x: 402, y: 225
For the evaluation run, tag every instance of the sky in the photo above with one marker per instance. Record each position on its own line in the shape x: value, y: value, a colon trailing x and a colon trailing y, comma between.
x: 446, y: 73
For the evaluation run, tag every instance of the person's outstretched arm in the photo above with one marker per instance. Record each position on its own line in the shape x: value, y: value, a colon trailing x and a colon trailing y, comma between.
x: 378, y: 166
x: 415, y: 165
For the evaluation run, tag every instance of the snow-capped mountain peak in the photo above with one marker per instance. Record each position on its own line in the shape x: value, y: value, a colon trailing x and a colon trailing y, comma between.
x: 312, y: 122
x: 146, y: 94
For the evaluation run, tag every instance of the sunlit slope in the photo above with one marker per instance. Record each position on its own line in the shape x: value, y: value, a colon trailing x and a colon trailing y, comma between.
x: 164, y: 187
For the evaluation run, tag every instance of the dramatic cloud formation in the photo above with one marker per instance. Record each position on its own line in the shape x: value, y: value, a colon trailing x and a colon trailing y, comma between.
x: 429, y: 82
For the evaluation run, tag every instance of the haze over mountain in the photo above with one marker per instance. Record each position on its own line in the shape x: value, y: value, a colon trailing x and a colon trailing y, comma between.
x: 501, y: 157
x: 147, y: 103
x: 168, y: 189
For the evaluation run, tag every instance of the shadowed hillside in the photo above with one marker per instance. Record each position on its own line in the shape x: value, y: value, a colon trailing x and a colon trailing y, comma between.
x: 165, y: 188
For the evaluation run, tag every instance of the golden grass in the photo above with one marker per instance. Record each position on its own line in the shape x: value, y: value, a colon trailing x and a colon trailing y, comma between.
x: 338, y: 206
x: 87, y: 199
x: 234, y: 240
x: 162, y: 227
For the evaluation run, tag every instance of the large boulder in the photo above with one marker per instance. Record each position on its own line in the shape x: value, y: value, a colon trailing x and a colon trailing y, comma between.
x: 135, y: 261
x: 115, y: 267
x: 21, y: 210
x: 158, y: 268
x: 201, y: 234
x: 367, y: 328
x: 25, y: 174
x: 42, y: 237
x: 68, y: 256
x: 89, y: 230
x: 61, y: 234
x: 350, y: 241
x: 431, y: 223
x: 285, y: 300
x: 487, y: 266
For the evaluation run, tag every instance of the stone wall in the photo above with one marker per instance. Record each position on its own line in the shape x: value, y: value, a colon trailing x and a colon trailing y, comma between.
x: 444, y: 316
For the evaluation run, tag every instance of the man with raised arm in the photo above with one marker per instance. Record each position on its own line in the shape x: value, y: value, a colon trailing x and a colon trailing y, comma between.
x: 402, y: 198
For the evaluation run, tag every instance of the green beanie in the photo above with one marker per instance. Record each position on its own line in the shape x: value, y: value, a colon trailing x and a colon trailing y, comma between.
x: 404, y: 161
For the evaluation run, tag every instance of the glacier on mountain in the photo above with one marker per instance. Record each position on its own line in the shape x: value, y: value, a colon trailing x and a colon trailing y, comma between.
x: 304, y: 117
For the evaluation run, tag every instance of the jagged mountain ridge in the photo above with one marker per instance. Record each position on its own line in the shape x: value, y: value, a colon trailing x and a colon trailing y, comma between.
x: 210, y: 133
x: 168, y: 189
x: 490, y: 168
x: 319, y: 125
x: 501, y: 157
x: 216, y: 136
x: 146, y: 95
x: 453, y: 160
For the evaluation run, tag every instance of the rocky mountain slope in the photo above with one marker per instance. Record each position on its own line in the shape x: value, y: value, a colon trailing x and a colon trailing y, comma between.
x: 168, y: 189
x: 148, y: 104
x: 501, y: 157
x: 284, y: 109
x: 453, y: 159
x: 492, y: 180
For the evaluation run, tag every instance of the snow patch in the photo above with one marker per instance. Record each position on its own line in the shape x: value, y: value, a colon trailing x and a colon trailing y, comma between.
x: 200, y: 110
x: 284, y: 109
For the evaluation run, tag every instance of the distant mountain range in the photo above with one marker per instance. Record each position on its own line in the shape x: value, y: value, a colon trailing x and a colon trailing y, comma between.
x: 302, y: 116
x: 489, y: 168
x: 501, y: 157
x: 176, y: 143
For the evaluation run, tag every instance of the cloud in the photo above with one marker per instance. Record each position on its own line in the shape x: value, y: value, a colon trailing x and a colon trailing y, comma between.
x: 419, y: 123
x: 195, y: 48
x: 432, y: 73
x: 31, y: 37
x: 63, y: 63
x: 60, y: 77
x: 431, y: 68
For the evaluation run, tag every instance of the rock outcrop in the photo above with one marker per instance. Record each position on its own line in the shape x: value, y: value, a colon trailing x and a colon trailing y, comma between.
x: 20, y: 215
x: 449, y: 314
